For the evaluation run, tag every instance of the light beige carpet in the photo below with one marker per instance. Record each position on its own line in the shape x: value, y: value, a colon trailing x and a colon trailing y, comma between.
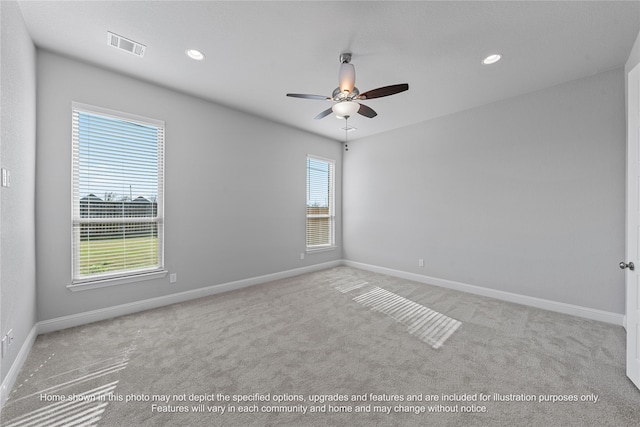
x: 336, y: 347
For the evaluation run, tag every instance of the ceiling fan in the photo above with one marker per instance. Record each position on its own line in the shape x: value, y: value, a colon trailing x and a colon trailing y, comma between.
x: 346, y: 95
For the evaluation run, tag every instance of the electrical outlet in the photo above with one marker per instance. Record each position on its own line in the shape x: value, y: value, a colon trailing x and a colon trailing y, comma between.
x: 173, y: 277
x: 420, y: 262
x: 301, y: 255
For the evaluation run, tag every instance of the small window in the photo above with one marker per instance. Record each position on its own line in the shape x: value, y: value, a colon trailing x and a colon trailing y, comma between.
x: 320, y: 203
x: 117, y: 206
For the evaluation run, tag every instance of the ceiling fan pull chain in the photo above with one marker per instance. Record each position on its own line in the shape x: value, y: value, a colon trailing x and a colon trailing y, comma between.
x: 346, y: 133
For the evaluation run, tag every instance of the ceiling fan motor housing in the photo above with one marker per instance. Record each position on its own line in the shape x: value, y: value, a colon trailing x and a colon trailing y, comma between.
x: 338, y: 95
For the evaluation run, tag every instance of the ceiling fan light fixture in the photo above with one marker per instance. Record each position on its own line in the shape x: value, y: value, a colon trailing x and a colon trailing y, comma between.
x: 195, y: 54
x: 345, y: 108
x: 347, y: 77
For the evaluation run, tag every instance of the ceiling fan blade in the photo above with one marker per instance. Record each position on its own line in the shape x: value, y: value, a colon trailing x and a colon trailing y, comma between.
x: 384, y: 91
x: 304, y: 95
x: 324, y: 114
x: 366, y: 111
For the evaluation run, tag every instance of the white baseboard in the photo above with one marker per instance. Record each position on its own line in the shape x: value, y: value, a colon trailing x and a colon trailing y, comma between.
x: 12, y: 375
x: 134, y: 307
x: 559, y: 307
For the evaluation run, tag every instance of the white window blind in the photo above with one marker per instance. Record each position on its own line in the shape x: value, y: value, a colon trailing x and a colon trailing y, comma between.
x: 117, y: 203
x: 320, y: 203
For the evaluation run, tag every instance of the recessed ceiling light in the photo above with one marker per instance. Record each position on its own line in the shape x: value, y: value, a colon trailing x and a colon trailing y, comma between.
x: 492, y: 59
x: 195, y: 54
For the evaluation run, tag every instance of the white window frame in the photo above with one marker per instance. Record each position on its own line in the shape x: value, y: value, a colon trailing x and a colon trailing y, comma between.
x: 83, y: 282
x: 331, y: 215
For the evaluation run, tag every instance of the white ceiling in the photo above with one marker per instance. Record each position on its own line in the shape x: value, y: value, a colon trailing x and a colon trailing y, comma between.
x: 256, y: 52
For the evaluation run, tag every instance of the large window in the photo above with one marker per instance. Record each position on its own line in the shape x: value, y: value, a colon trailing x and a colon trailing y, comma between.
x: 320, y: 203
x: 118, y: 174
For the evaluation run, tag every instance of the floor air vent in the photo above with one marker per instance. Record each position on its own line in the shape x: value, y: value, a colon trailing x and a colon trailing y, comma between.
x: 125, y: 44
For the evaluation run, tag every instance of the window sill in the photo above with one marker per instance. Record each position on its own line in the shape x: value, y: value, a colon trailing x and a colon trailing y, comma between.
x: 114, y: 281
x: 321, y: 249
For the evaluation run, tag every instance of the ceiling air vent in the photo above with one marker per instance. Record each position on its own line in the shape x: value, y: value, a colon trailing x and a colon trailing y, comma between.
x: 125, y: 44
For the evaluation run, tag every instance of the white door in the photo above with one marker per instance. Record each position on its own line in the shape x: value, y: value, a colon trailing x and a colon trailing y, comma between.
x: 633, y: 229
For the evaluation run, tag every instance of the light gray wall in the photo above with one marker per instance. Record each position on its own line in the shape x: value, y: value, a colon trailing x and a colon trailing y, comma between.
x: 235, y: 188
x: 634, y: 56
x: 632, y: 61
x: 17, y: 154
x: 524, y: 195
